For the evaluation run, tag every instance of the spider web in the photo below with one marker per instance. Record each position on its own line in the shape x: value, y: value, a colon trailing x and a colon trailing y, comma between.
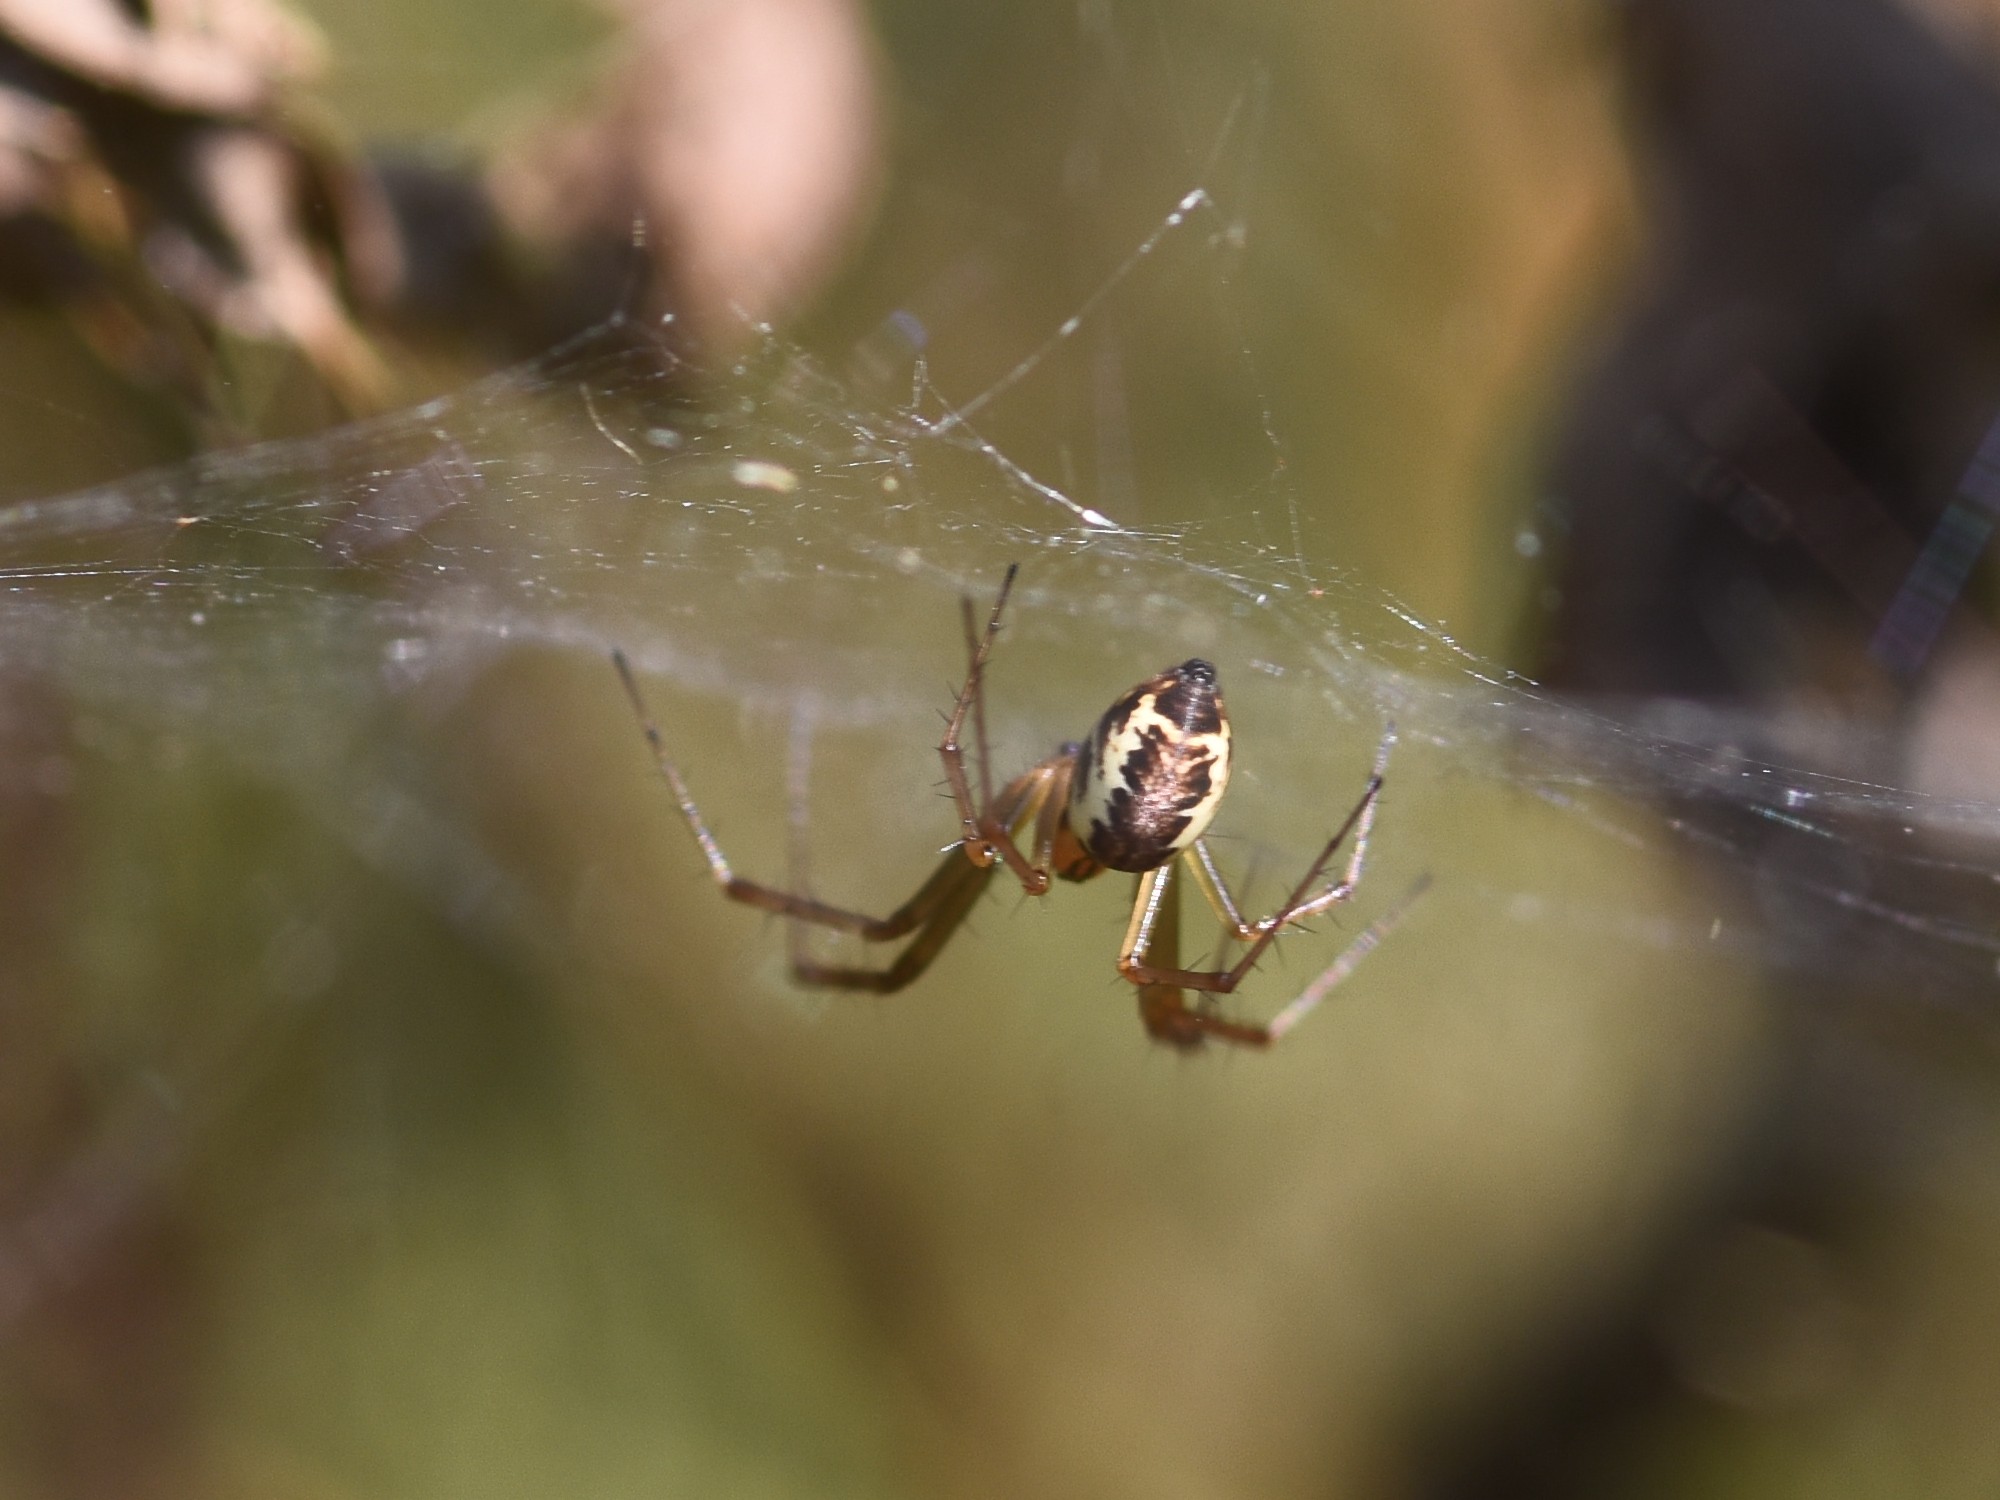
x: 756, y: 536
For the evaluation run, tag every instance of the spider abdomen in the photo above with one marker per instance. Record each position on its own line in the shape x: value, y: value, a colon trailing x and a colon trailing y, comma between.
x: 1150, y: 777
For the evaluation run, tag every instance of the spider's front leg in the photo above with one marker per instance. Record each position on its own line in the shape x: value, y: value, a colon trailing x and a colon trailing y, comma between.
x: 984, y: 835
x: 1133, y: 958
x: 1163, y: 991
x: 1151, y: 959
x: 1163, y: 1005
x: 1202, y: 866
x: 928, y: 918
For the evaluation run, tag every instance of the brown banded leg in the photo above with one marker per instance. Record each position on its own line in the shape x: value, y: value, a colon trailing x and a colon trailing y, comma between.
x: 906, y: 918
x: 977, y: 830
x: 1202, y: 866
x: 972, y: 639
x: 947, y: 898
x: 1365, y: 942
x: 1132, y: 958
x: 912, y: 914
x: 934, y: 912
x: 1061, y: 768
x: 972, y: 700
x: 985, y: 836
x: 1163, y: 1005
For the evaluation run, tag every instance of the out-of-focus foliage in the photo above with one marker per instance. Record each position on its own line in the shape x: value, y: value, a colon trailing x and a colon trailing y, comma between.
x: 391, y: 1106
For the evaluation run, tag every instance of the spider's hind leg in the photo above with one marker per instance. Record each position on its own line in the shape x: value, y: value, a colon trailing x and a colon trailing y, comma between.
x: 1164, y: 987
x: 914, y: 913
x: 1163, y: 1006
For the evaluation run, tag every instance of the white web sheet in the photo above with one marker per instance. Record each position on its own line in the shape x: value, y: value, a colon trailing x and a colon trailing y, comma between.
x: 759, y: 537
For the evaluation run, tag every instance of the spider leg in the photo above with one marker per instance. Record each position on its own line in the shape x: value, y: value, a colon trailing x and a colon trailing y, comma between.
x: 974, y: 823
x: 904, y: 920
x: 971, y: 627
x: 1062, y: 770
x: 1132, y: 956
x: 936, y: 910
x: 986, y: 835
x: 1163, y: 1005
x: 1000, y: 830
x: 1365, y: 943
x: 947, y: 898
x: 1371, y: 799
x: 1201, y: 864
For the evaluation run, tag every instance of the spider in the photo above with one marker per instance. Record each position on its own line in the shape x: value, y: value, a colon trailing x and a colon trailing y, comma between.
x: 1140, y: 792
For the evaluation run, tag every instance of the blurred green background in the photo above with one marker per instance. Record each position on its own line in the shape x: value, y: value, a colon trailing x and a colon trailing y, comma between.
x: 321, y: 1187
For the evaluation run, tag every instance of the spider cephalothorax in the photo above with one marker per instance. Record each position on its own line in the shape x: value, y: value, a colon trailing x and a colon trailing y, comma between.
x: 1136, y: 796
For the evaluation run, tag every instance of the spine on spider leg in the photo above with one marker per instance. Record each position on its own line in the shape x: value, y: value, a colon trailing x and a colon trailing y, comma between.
x: 1334, y: 974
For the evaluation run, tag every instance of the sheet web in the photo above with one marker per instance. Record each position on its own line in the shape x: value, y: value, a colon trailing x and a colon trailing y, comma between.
x: 759, y: 536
